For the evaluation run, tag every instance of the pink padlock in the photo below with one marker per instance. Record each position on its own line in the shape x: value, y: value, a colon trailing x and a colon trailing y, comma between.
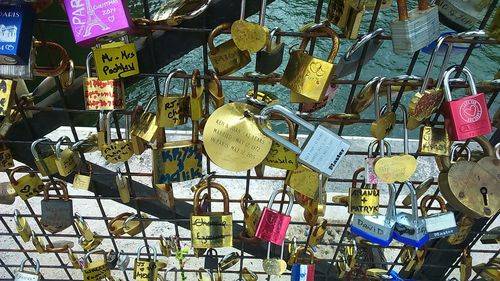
x: 273, y: 225
x: 90, y: 19
x: 467, y: 117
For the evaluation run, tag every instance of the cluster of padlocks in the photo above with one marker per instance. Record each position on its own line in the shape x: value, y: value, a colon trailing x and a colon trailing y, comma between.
x: 238, y: 136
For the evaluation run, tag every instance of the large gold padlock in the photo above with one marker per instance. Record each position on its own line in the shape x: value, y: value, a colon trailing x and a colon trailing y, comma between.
x: 144, y: 122
x: 279, y: 156
x: 96, y: 270
x: 116, y: 150
x: 172, y: 109
x: 26, y: 186
x: 7, y: 91
x: 251, y: 215
x: 67, y: 160
x: 363, y: 201
x: 434, y: 141
x: 211, y: 230
x: 307, y: 75
x: 226, y: 58
x: 23, y: 228
x: 146, y: 269
x: 45, y: 160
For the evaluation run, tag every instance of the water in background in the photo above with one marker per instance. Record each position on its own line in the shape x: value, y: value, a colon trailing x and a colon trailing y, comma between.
x: 290, y: 15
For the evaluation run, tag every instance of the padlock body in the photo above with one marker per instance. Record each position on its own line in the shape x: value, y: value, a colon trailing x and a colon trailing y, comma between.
x: 50, y: 163
x: 303, y: 272
x: 117, y: 151
x: 373, y: 228
x: 165, y: 194
x: 57, y: 215
x: 458, y: 15
x: 145, y: 270
x: 7, y: 194
x: 226, y: 58
x: 177, y: 162
x: 349, y: 65
x: 68, y: 162
x: 28, y: 186
x: 7, y: 91
x: 16, y: 34
x: 272, y: 226
x: 96, y: 270
x: 171, y: 111
x: 280, y: 157
x: 90, y: 19
x: 305, y: 181
x: 467, y: 117
x: 441, y: 225
x: 103, y: 95
x: 26, y: 276
x: 363, y: 201
x: 211, y: 260
x: 6, y: 159
x: 144, y: 128
x: 24, y: 229
x: 252, y: 219
x: 409, y: 233
x: 212, y: 230
x: 434, y: 141
x: 323, y: 151
x: 267, y: 62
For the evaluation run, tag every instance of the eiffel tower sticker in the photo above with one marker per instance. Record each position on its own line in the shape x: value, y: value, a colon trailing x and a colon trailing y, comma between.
x: 92, y: 20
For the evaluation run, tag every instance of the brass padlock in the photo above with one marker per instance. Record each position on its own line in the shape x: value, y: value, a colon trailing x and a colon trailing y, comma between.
x: 135, y: 223
x: 251, y: 215
x: 306, y: 181
x: 363, y: 200
x: 318, y: 232
x: 67, y: 160
x: 434, y: 141
x: 8, y: 121
x: 7, y: 193
x: 196, y: 97
x: 146, y: 269
x: 57, y: 214
x: 172, y: 109
x: 22, y: 226
x: 226, y: 58
x: 6, y: 159
x: 122, y: 186
x: 45, y: 160
x: 279, y: 156
x: 37, y: 243
x: 96, y: 270
x: 215, y: 89
x: 26, y: 186
x: 84, y: 228
x: 116, y: 150
x: 165, y: 194
x: 465, y: 265
x: 144, y: 122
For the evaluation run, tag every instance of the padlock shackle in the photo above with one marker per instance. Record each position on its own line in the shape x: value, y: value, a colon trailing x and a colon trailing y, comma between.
x: 34, y: 150
x: 364, y: 98
x: 434, y: 54
x: 376, y: 97
x: 242, y: 204
x: 455, y: 147
x: 153, y: 249
x: 446, y: 81
x: 271, y: 35
x: 426, y: 198
x: 88, y: 63
x: 87, y: 255
x: 319, y: 225
x: 51, y: 71
x: 362, y: 42
x: 122, y: 216
x: 56, y: 185
x: 215, y: 78
x: 110, y: 115
x: 170, y: 76
x: 80, y: 222
x: 402, y: 10
x: 195, y: 82
x: 220, y: 188
x: 290, y: 198
x: 201, y: 271
x: 414, y: 203
x: 330, y: 32
x: 116, y: 36
x: 34, y: 260
x: 301, y: 251
x: 17, y: 218
x: 168, y: 270
x: 214, y: 33
x: 58, y: 145
x: 355, y: 176
x: 289, y: 125
x: 262, y: 15
x: 387, y: 147
x: 391, y: 204
x: 282, y: 250
x: 20, y: 169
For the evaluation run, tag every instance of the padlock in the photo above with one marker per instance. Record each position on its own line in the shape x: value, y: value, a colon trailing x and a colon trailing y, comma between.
x: 67, y: 160
x: 229, y: 260
x: 22, y: 226
x: 135, y: 224
x: 438, y: 225
x: 318, y: 232
x: 321, y: 152
x: 115, y: 225
x: 17, y: 34
x: 466, y: 117
x: 45, y: 160
x: 464, y: 225
x: 57, y: 214
x: 215, y: 89
x: 410, y: 228
x: 363, y: 200
x: 370, y: 176
x: 460, y: 15
x: 378, y: 228
x: 73, y: 259
x: 84, y: 228
x: 434, y: 141
x: 279, y: 156
x: 6, y: 159
x: 211, y: 259
x: 314, y: 209
x: 102, y: 94
x: 384, y: 121
x: 347, y: 16
x: 465, y: 265
x: 274, y: 266
x: 115, y: 57
x: 273, y: 225
x: 251, y: 215
x: 165, y: 194
x: 249, y: 36
x: 349, y: 62
x: 196, y: 97
x: 420, y: 190
x: 146, y: 269
x: 123, y: 261
x: 226, y: 58
x: 82, y: 180
x: 7, y: 92
x: 97, y: 269
x: 22, y: 275
x: 202, y: 273
x: 309, y: 106
x: 26, y: 186
x: 172, y: 109
x: 397, y: 168
x: 415, y: 29
x: 304, y: 272
x: 309, y: 76
x: 144, y: 123
x: 271, y: 57
x: 306, y: 181
x: 85, y: 16
x: 211, y: 229
x: 116, y: 150
x: 7, y: 122
x: 7, y: 193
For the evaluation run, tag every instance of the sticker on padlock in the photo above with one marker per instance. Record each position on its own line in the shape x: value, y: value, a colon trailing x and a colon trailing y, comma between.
x: 273, y: 225
x: 226, y: 58
x: 146, y: 269
x: 438, y: 225
x: 24, y: 275
x: 116, y: 60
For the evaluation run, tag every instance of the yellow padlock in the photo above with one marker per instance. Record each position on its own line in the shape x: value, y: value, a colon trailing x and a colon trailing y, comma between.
x: 73, y: 259
x: 318, y: 232
x: 83, y: 227
x: 135, y: 223
x: 23, y: 228
x: 146, y: 269
x: 215, y: 89
x: 46, y: 163
x: 28, y: 185
x: 196, y: 98
x: 67, y: 160
x: 96, y: 270
x: 37, y: 243
x: 122, y: 186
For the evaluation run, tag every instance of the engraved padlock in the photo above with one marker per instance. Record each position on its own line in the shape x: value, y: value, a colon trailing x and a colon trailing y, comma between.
x: 23, y: 275
x: 57, y: 214
x: 226, y: 58
x: 28, y: 185
x: 251, y: 215
x: 440, y: 224
x: 146, y: 269
x: 116, y: 150
x: 273, y: 225
x: 323, y: 149
x: 363, y: 200
x: 172, y: 108
x: 45, y: 159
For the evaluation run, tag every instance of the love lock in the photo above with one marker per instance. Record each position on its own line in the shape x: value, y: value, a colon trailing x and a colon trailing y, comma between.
x: 22, y: 275
x: 274, y: 266
x: 57, y: 214
x: 250, y: 36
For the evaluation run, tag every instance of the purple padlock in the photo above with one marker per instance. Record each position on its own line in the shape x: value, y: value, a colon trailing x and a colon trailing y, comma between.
x: 90, y: 19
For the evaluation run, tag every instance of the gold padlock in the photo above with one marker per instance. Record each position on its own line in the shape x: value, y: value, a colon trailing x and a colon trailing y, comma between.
x: 172, y: 109
x: 83, y: 227
x: 144, y: 123
x: 46, y: 163
x: 251, y: 215
x: 115, y: 225
x: 226, y: 58
x: 7, y: 193
x: 146, y: 269
x: 215, y: 89
x: 434, y: 141
x: 73, y: 259
x: 196, y: 97
x: 465, y: 265
x: 363, y: 200
x: 7, y: 92
x: 464, y: 225
x: 116, y: 150
x: 122, y: 186
x: 318, y: 232
x: 279, y: 156
x: 307, y: 75
x: 26, y: 186
x: 37, y: 243
x: 66, y: 160
x: 136, y: 223
x: 165, y: 193
x: 23, y: 228
x: 96, y: 270
x: 306, y: 181
x: 80, y: 180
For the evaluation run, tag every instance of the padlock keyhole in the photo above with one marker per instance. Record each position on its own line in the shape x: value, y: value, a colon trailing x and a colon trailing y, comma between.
x: 484, y: 192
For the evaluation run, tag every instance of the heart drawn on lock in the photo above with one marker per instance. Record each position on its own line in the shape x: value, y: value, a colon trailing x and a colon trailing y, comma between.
x: 249, y: 36
x: 274, y: 266
x: 396, y: 168
x: 111, y: 18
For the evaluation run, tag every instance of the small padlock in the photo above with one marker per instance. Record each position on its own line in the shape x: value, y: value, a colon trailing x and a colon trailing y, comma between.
x: 73, y: 259
x: 271, y: 57
x: 318, y: 232
x: 146, y: 269
x: 57, y: 214
x: 116, y: 150
x: 37, y: 243
x: 122, y: 186
x: 410, y: 228
x: 370, y: 176
x: 279, y: 156
x: 67, y: 160
x: 274, y: 266
x: 22, y: 275
x: 363, y: 200
x: 321, y: 152
x: 464, y: 225
x: 434, y: 141
x: 135, y: 223
x: 45, y: 160
x: 26, y: 186
x: 165, y: 194
x: 6, y: 159
x: 351, y: 17
x: 167, y: 246
x: 465, y: 265
x: 96, y: 270
x: 273, y: 225
x: 84, y: 228
x: 144, y: 122
x: 22, y: 226
x: 123, y: 261
x: 384, y: 121
x: 438, y: 225
x: 226, y: 58
x: 211, y: 259
x: 7, y: 92
x: 17, y: 34
x: 251, y: 215
x: 467, y: 117
x: 249, y: 36
x: 215, y: 89
x: 302, y: 271
x: 172, y: 109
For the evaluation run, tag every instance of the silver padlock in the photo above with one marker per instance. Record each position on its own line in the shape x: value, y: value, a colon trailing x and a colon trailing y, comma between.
x: 22, y: 275
x: 439, y: 224
x: 410, y: 229
x: 322, y: 151
x: 123, y: 261
x: 379, y: 228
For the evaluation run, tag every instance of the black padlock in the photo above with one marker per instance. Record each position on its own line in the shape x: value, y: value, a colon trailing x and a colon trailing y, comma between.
x: 271, y: 57
x: 211, y: 259
x: 57, y: 214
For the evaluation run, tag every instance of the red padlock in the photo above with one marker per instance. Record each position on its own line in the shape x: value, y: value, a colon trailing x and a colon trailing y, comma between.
x: 467, y: 117
x: 273, y: 225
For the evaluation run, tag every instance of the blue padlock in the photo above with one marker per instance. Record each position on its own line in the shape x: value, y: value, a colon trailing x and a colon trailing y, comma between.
x: 16, y: 33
